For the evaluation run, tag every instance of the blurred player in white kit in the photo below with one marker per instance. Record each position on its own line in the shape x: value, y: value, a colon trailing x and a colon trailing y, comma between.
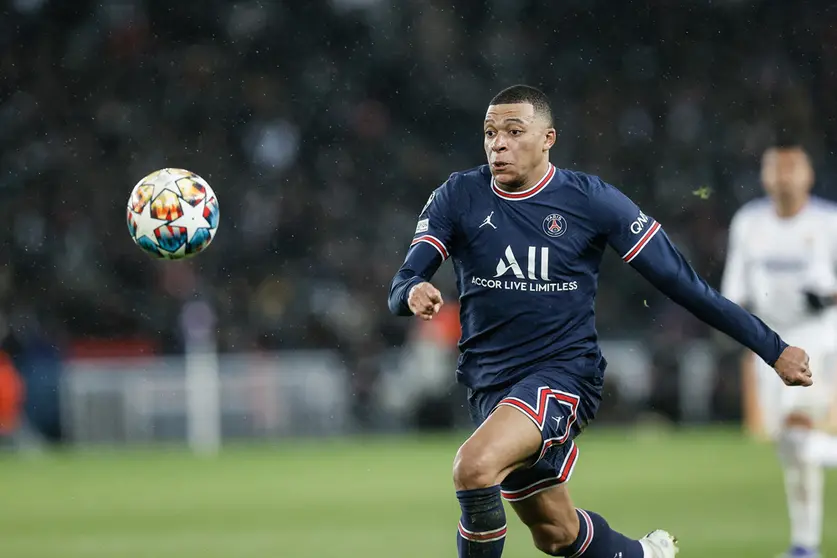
x: 782, y: 265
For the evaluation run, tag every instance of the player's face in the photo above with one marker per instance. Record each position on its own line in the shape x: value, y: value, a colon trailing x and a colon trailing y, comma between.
x: 517, y: 142
x: 786, y: 173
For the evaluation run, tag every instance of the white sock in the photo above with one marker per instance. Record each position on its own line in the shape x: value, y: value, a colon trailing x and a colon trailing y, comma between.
x: 822, y: 449
x: 804, y: 484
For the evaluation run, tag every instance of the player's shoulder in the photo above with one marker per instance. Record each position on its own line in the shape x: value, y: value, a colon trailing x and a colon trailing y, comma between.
x: 462, y: 187
x: 598, y: 193
x: 586, y: 183
x: 823, y: 206
x: 821, y: 213
x: 589, y: 185
x: 475, y: 177
x: 459, y: 187
x: 753, y: 209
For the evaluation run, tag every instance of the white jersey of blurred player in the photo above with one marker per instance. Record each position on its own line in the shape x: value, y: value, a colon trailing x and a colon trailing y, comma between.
x: 782, y: 265
x: 772, y: 262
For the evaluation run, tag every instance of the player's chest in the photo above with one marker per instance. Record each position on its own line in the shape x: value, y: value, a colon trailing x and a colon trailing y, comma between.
x: 533, y: 237
x: 779, y: 248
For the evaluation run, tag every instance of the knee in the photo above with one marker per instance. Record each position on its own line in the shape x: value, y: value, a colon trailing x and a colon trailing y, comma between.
x: 552, y: 539
x: 474, y: 468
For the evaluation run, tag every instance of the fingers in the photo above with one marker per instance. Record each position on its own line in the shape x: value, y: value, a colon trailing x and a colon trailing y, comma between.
x: 803, y: 381
x: 425, y: 301
x: 422, y: 308
x: 436, y: 300
x: 806, y: 368
x: 802, y: 378
x: 794, y: 367
x: 795, y: 381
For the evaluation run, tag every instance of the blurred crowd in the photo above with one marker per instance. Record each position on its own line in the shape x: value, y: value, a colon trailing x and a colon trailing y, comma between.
x: 323, y: 126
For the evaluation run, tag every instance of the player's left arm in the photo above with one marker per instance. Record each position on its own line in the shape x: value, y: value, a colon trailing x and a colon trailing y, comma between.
x: 642, y: 243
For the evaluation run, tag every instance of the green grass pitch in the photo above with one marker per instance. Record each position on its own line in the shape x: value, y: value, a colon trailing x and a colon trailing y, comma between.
x: 719, y: 493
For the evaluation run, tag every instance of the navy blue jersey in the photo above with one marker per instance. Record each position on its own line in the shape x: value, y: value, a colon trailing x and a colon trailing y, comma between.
x: 527, y: 266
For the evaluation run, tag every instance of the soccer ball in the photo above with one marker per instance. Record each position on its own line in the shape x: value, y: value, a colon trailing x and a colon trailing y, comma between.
x: 172, y: 214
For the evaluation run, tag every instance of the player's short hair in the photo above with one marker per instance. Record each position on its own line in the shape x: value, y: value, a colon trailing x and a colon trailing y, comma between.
x: 525, y: 94
x: 786, y: 135
x: 787, y: 142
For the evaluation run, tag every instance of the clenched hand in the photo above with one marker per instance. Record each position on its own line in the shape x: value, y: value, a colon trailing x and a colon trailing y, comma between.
x: 792, y: 367
x: 425, y: 301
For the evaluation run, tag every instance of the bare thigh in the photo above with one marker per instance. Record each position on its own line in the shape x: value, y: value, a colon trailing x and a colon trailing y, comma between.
x: 506, y: 441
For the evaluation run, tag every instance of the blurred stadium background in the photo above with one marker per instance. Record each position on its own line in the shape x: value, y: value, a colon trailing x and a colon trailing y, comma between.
x: 259, y: 399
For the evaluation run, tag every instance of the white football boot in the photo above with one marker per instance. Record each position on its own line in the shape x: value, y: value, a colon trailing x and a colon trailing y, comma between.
x: 659, y: 544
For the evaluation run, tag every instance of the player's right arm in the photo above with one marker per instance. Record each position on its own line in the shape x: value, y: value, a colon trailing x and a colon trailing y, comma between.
x: 410, y: 291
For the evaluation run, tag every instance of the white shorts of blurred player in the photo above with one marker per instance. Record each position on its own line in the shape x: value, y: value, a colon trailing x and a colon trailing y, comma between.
x: 776, y: 401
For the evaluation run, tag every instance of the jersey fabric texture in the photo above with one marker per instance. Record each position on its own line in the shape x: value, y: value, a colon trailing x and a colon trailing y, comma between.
x: 527, y: 266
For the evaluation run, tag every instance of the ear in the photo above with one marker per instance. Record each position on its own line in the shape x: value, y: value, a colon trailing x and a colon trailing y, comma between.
x: 549, y: 139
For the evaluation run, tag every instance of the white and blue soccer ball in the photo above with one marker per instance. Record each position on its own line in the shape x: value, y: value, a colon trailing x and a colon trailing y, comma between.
x: 173, y: 214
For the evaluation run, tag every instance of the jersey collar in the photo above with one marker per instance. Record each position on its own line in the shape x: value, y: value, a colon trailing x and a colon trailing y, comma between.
x: 529, y: 192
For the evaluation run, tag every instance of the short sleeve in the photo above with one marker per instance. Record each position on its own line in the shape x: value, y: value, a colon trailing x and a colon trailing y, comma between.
x: 628, y: 230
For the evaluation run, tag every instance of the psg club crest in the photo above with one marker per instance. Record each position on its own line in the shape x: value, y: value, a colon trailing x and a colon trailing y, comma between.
x: 554, y: 225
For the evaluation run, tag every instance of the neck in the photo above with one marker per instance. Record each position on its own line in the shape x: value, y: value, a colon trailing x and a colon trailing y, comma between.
x: 789, y: 207
x: 531, y: 179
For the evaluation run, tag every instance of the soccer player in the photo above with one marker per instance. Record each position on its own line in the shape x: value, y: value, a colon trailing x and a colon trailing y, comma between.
x: 781, y: 264
x: 526, y: 239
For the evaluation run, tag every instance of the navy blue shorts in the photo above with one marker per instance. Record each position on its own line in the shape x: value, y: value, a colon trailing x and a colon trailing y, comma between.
x: 561, y: 405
